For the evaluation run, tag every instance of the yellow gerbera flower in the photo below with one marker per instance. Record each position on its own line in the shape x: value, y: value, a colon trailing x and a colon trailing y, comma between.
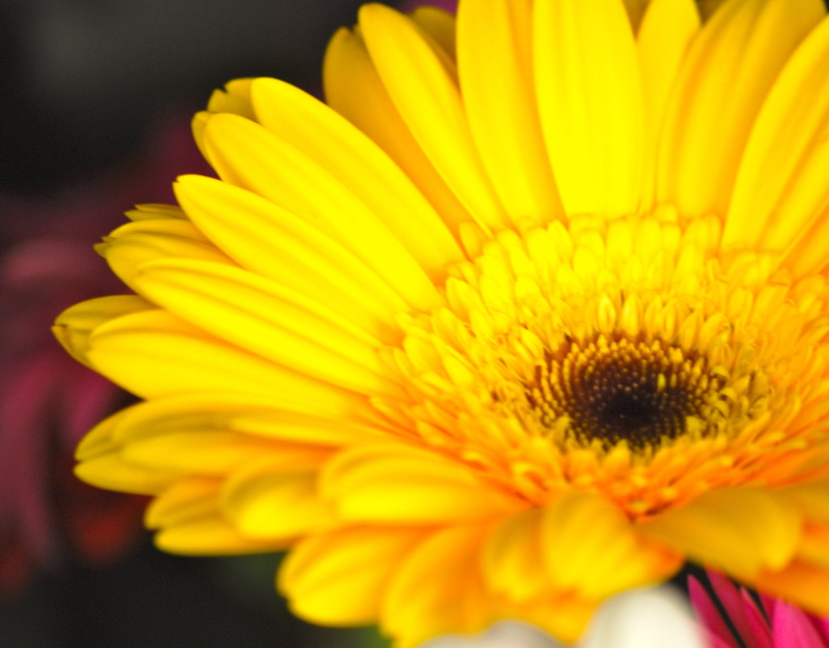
x: 512, y: 324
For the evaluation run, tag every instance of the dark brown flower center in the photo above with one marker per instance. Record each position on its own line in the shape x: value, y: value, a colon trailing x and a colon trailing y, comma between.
x: 615, y: 389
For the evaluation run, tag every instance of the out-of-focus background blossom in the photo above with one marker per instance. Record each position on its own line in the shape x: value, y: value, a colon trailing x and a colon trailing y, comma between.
x: 98, y: 96
x: 47, y: 400
x: 657, y: 617
x: 735, y: 618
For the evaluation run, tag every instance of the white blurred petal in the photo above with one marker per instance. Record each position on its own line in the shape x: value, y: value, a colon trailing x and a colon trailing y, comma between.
x: 641, y: 618
x: 506, y: 634
x: 645, y: 618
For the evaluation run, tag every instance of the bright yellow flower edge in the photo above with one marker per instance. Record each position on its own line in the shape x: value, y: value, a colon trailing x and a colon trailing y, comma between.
x: 532, y: 312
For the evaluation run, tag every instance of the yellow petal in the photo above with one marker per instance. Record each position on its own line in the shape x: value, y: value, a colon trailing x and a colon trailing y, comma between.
x: 249, y: 156
x: 713, y: 528
x: 440, y: 25
x: 110, y: 471
x: 258, y: 315
x: 814, y: 546
x: 665, y: 34
x: 780, y: 188
x: 495, y: 67
x: 211, y: 536
x: 429, y: 101
x: 74, y: 325
x: 403, y: 484
x: 348, y: 66
x: 186, y: 500
x: 339, y: 578
x: 338, y: 419
x: 564, y: 617
x: 235, y: 98
x: 512, y: 555
x: 154, y: 354
x: 418, y: 605
x: 811, y: 499
x: 135, y: 243
x: 726, y: 76
x: 590, y: 100
x: 203, y: 452
x: 153, y: 211
x: 197, y: 124
x: 352, y: 158
x: 592, y: 548
x: 99, y: 440
x: 283, y: 247
x: 809, y: 255
x: 272, y: 500
x: 801, y: 582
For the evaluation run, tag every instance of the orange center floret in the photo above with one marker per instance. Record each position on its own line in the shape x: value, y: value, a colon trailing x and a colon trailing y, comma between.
x: 615, y: 389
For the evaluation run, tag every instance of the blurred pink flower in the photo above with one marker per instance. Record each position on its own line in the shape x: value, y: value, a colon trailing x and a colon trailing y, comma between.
x: 743, y: 621
x: 47, y: 400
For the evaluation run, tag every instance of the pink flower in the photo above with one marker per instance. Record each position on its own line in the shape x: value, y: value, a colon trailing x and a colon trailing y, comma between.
x: 47, y: 400
x: 762, y: 622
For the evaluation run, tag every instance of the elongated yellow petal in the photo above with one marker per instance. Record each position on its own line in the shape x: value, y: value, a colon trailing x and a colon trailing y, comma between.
x: 249, y: 156
x: 440, y: 25
x: 429, y: 102
x: 512, y: 556
x: 809, y: 255
x: 154, y: 354
x: 397, y: 483
x: 99, y: 440
x: 590, y: 99
x: 113, y: 472
x: 203, y: 452
x: 211, y: 535
x: 339, y: 578
x: 352, y: 158
x: 726, y: 76
x: 234, y: 98
x: 283, y: 247
x: 348, y: 66
x: 666, y: 32
x: 712, y: 529
x: 135, y: 243
x: 419, y: 606
x: 74, y: 325
x: 272, y: 322
x: 801, y: 582
x: 591, y: 547
x: 339, y: 419
x: 269, y: 500
x: 153, y: 211
x: 811, y: 499
x: 780, y: 188
x: 186, y: 500
x: 495, y: 61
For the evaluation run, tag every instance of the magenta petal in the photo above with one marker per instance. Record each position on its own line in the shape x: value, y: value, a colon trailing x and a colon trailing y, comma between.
x: 729, y: 596
x: 757, y: 622
x: 823, y: 628
x: 793, y: 628
x: 708, y: 614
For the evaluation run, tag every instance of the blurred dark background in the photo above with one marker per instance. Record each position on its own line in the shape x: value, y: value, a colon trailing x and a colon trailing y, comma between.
x: 84, y: 81
x: 95, y: 102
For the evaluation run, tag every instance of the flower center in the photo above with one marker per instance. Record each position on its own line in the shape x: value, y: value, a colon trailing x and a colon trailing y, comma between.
x: 617, y: 389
